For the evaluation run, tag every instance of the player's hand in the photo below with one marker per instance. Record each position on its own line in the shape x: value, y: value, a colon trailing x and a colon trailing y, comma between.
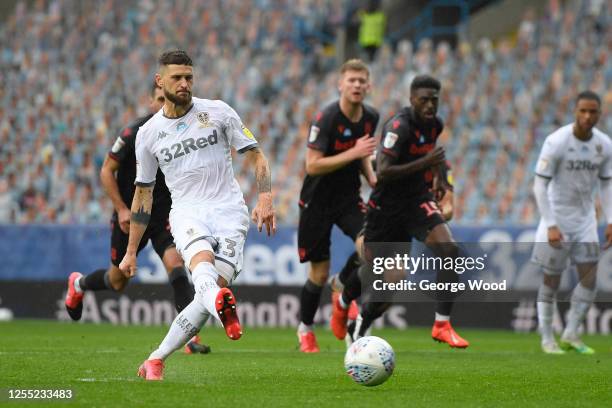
x: 608, y: 235
x: 263, y: 214
x: 555, y: 237
x: 128, y: 265
x: 124, y: 216
x: 364, y: 147
x: 435, y: 157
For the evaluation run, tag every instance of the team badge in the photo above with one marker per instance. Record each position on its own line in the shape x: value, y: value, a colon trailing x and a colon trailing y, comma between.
x: 181, y: 126
x: 203, y: 118
x: 542, y: 165
x: 347, y: 133
x: 390, y: 139
x: 119, y: 143
x: 599, y: 148
x: 314, y: 133
x: 247, y: 132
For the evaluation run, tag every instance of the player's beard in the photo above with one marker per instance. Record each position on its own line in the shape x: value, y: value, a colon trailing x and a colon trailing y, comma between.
x: 178, y: 100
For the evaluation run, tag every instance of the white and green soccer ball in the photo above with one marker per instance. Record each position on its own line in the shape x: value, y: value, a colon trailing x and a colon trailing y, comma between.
x: 369, y: 361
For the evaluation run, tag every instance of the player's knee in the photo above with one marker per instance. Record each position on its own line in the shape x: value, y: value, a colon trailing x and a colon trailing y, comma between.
x: 202, y: 256
x: 551, y: 280
x: 172, y: 259
x: 319, y: 273
x: 116, y: 280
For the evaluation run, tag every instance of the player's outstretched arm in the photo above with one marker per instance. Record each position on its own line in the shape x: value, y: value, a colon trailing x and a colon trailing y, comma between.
x: 368, y: 171
x: 142, y: 205
x: 263, y: 213
x: 109, y: 182
x: 317, y: 164
x: 387, y: 171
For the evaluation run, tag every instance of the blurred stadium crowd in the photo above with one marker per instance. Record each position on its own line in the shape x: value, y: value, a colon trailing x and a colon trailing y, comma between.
x: 74, y: 73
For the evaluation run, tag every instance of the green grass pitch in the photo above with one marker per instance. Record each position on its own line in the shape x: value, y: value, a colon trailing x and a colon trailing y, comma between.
x: 265, y: 369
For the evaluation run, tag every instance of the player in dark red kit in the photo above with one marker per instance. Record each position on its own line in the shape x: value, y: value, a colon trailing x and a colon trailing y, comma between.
x: 120, y: 189
x: 340, y: 143
x: 404, y: 205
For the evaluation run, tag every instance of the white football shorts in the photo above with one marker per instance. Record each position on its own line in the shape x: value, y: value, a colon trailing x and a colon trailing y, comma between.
x: 222, y: 230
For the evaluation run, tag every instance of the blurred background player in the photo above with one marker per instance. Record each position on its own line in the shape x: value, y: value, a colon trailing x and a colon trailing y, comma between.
x: 117, y: 176
x: 340, y: 143
x: 412, y: 178
x: 573, y: 161
x: 190, y: 140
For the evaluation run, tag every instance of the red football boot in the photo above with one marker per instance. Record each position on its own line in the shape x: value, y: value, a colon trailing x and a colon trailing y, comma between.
x: 308, y: 342
x: 152, y: 370
x: 226, y: 308
x: 74, y: 300
x: 443, y: 332
x: 339, y: 317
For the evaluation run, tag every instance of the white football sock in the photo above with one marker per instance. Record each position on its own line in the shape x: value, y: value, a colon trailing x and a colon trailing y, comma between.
x: 184, y: 327
x: 582, y: 299
x: 546, y: 307
x: 342, y: 302
x: 304, y: 328
x: 442, y: 318
x: 205, y: 284
x: 77, y: 285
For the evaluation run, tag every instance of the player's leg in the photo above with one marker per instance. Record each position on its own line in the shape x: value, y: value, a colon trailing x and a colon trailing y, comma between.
x: 370, y: 311
x: 344, y: 307
x: 314, y: 232
x: 440, y: 240
x: 177, y: 277
x: 101, y: 279
x: 552, y: 262
x: 585, y: 255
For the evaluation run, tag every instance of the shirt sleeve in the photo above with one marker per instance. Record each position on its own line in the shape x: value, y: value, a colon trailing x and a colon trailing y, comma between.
x: 146, y: 163
x: 549, y: 159
x: 605, y: 171
x: 319, y: 133
x: 123, y: 146
x: 239, y: 136
x: 393, y: 138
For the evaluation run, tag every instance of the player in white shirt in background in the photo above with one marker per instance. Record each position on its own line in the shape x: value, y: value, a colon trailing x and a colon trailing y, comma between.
x: 573, y: 161
x: 190, y: 139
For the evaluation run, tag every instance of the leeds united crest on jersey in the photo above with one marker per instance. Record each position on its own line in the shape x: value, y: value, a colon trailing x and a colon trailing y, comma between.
x: 204, y: 119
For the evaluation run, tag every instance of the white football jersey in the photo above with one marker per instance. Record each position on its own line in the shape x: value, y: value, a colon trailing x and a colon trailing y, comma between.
x: 194, y: 153
x: 574, y: 168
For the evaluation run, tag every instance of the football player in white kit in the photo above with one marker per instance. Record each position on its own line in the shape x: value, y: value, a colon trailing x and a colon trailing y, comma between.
x: 573, y: 161
x: 190, y: 139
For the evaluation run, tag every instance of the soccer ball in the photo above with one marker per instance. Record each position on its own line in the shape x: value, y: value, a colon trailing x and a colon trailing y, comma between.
x: 369, y: 361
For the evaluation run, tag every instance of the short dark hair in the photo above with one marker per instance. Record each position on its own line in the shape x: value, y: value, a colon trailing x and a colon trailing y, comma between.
x: 176, y: 57
x: 154, y: 87
x: 425, y: 81
x: 588, y: 95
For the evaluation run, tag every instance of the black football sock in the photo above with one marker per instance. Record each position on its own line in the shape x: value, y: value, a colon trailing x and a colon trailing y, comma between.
x: 97, y: 280
x: 183, y: 290
x: 350, y: 267
x: 444, y: 308
x: 352, y: 288
x: 371, y: 312
x: 309, y: 301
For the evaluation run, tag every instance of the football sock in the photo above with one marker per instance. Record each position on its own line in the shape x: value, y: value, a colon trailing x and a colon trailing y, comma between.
x: 352, y: 288
x: 441, y: 317
x: 546, y: 307
x: 309, y: 301
x: 371, y: 312
x: 349, y: 268
x: 582, y: 299
x: 186, y: 325
x: 183, y: 291
x: 444, y: 309
x: 205, y: 282
x: 97, y: 280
